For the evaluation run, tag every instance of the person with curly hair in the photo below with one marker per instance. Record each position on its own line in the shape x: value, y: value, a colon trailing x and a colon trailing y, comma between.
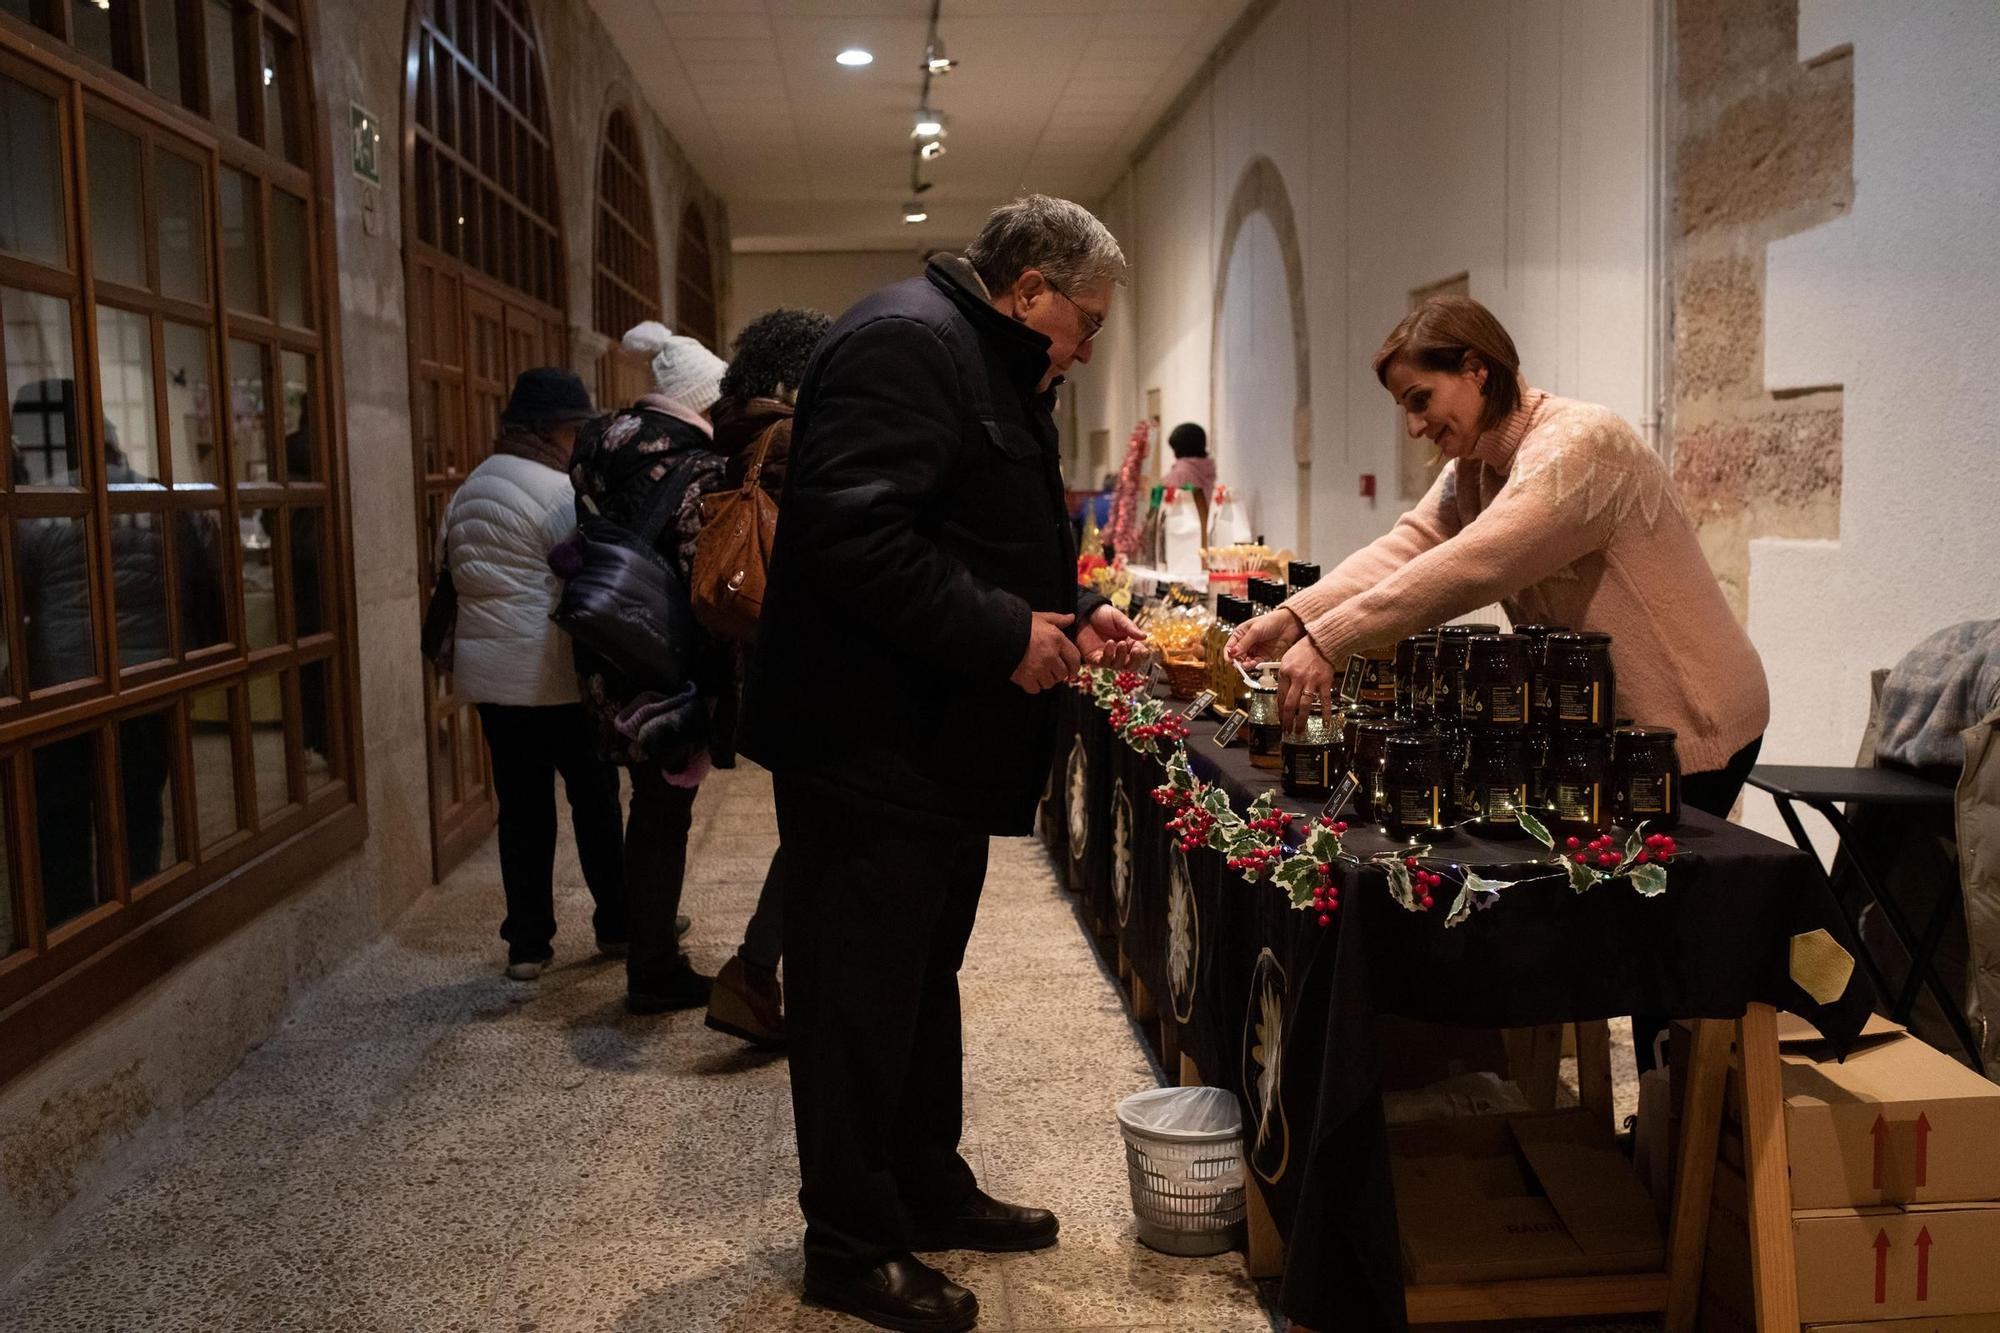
x: 759, y: 389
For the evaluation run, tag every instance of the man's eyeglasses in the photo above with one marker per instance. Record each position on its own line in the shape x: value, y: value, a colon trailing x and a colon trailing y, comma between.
x: 1091, y: 322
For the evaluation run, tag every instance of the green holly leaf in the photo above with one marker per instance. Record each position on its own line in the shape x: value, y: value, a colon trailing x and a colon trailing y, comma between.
x: 1635, y: 844
x: 1263, y: 807
x: 1299, y: 877
x: 1649, y: 880
x: 1322, y: 844
x: 1535, y: 829
x: 1581, y: 878
x: 1401, y: 887
x: 1474, y: 893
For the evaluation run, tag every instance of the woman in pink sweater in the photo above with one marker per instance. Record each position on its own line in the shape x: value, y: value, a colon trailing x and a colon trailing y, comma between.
x: 1557, y: 510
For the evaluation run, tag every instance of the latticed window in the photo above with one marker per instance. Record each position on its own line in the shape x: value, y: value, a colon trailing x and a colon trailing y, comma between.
x: 694, y: 281
x: 174, y: 675
x: 628, y: 267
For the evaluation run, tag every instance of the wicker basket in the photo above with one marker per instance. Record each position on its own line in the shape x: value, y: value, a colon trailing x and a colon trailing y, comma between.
x: 1187, y: 679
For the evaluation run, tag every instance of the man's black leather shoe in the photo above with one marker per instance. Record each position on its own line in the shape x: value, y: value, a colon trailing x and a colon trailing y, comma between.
x: 903, y: 1293
x: 985, y: 1223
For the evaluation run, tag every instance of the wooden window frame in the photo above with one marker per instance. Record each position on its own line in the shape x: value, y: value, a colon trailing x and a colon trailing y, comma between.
x: 627, y: 289
x: 67, y: 977
x: 696, y: 311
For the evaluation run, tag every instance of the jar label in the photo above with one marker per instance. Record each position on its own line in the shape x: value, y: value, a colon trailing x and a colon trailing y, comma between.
x: 1308, y: 766
x: 1198, y: 705
x: 1579, y: 703
x: 1266, y: 738
x: 1649, y: 793
x: 1417, y: 807
x: 1578, y: 802
x: 1228, y: 731
x: 1498, y: 805
x: 1350, y: 683
x: 1349, y: 784
x: 1496, y: 705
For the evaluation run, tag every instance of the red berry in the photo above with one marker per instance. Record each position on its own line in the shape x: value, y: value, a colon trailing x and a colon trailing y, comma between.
x: 1427, y: 901
x: 1581, y: 859
x: 1572, y: 843
x: 1325, y: 919
x: 1641, y: 858
x: 1410, y: 861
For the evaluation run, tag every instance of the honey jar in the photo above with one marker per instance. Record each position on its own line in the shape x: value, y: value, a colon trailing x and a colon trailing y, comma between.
x: 1496, y: 680
x: 1645, y: 777
x: 1410, y: 791
x: 1582, y: 689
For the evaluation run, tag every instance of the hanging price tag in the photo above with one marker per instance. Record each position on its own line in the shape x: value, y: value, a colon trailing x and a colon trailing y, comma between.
x: 1342, y: 794
x: 1350, y: 684
x: 1198, y: 705
x: 1230, y: 727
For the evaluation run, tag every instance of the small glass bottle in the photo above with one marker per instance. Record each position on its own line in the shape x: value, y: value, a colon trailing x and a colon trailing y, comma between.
x: 1410, y: 793
x: 1449, y: 676
x: 1645, y: 778
x: 1223, y: 677
x: 1416, y: 666
x: 1365, y: 749
x: 1299, y: 575
x: 1576, y: 787
x: 1266, y: 594
x: 1378, y: 678
x: 1495, y: 692
x: 1493, y: 783
x: 1582, y: 688
x: 1266, y: 727
x: 1312, y: 756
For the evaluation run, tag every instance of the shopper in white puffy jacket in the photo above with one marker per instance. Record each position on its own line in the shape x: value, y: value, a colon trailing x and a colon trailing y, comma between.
x: 517, y: 666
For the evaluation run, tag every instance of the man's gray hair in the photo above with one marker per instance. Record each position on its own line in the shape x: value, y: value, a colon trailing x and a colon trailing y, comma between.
x: 1069, y: 246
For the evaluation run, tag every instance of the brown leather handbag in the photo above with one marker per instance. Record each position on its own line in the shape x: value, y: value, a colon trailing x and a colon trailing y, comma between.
x: 732, y: 555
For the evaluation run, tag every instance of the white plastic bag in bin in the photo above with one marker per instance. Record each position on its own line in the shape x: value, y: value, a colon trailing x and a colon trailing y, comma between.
x: 1184, y: 1154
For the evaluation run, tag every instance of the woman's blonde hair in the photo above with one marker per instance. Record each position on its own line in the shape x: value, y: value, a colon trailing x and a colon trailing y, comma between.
x: 1443, y: 334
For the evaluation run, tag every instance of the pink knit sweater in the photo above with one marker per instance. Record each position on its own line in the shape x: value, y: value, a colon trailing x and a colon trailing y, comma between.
x: 1562, y: 514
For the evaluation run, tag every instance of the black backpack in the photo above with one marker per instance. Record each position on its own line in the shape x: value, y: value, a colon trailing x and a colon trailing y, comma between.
x: 625, y: 601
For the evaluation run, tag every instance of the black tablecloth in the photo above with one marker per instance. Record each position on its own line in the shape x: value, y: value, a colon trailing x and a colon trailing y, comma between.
x: 1283, y: 1011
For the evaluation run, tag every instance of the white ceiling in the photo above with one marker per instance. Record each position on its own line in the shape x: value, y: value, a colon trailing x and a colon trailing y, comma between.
x: 1049, y: 95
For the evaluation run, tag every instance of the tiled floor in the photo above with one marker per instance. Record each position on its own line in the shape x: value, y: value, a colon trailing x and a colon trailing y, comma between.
x: 427, y: 1146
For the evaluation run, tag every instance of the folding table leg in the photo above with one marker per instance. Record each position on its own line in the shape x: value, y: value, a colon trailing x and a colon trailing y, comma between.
x: 1773, y: 1263
x: 1694, y: 1175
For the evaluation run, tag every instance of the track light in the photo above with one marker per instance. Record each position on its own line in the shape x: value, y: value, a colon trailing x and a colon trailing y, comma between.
x: 931, y: 151
x: 936, y: 63
x: 854, y: 57
x: 914, y: 212
x: 930, y: 124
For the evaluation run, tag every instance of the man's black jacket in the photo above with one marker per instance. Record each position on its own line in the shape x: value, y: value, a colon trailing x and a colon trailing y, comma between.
x: 922, y: 522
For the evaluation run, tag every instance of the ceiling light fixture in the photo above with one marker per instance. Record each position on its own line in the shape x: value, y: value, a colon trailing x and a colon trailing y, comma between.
x: 930, y: 124
x: 854, y: 57
x: 914, y: 212
x: 931, y: 151
x: 936, y: 62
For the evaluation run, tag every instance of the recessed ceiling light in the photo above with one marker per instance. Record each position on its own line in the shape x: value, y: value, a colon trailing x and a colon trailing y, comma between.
x: 930, y: 124
x: 854, y: 56
x: 914, y: 212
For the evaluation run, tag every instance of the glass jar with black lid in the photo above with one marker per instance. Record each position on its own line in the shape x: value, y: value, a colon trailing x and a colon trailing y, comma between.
x: 1449, y: 676
x: 1266, y: 594
x: 1411, y: 798
x: 1416, y: 666
x: 1496, y: 680
x: 1364, y: 746
x: 1313, y: 754
x: 1581, y: 687
x: 1537, y: 636
x: 1300, y: 574
x: 1576, y: 784
x: 1645, y: 777
x: 1492, y: 783
x: 1265, y: 727
x: 1378, y: 678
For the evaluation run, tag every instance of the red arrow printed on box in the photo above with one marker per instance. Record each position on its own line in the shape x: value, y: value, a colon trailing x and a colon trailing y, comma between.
x: 1882, y: 1267
x: 1924, y: 1264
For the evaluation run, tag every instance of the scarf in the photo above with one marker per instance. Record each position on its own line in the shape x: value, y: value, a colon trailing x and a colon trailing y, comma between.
x: 523, y: 441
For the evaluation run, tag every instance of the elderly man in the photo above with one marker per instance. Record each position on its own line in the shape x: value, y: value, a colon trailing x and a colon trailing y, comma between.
x: 922, y: 606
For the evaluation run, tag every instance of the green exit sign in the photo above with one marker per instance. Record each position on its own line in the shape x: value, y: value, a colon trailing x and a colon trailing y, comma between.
x: 367, y: 144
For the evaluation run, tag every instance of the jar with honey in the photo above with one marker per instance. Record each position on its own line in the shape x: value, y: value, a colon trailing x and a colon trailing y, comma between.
x: 1582, y: 689
x: 1645, y: 778
x: 1266, y: 727
x: 1492, y: 785
x: 1312, y: 755
x: 1411, y: 788
x: 1365, y: 748
x: 1576, y: 785
x: 1496, y: 679
x: 1448, y: 679
x: 1416, y: 665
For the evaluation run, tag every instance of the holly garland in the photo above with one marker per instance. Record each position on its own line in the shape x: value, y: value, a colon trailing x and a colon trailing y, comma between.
x: 1254, y: 843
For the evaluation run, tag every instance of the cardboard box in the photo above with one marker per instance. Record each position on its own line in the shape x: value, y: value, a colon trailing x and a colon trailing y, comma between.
x: 1492, y: 1197
x: 1897, y: 1121
x: 1878, y: 1263
x: 1968, y: 1323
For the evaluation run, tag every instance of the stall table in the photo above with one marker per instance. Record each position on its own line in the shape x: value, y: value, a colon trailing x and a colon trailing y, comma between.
x: 1261, y: 999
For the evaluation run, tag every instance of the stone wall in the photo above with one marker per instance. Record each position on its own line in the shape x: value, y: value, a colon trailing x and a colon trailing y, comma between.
x: 1764, y: 148
x: 71, y: 1125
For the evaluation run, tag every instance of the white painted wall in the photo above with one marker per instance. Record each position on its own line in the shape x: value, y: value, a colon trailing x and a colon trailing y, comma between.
x: 1900, y: 302
x: 829, y: 281
x: 1509, y: 140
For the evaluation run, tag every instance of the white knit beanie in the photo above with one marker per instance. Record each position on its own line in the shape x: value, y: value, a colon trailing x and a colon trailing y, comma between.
x: 683, y: 369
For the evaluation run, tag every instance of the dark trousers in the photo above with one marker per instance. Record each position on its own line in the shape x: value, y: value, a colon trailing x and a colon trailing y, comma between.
x: 656, y: 850
x: 876, y: 918
x: 764, y: 938
x: 1713, y: 793
x: 530, y: 746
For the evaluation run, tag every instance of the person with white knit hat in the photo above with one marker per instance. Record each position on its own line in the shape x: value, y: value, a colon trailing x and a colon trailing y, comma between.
x: 683, y: 369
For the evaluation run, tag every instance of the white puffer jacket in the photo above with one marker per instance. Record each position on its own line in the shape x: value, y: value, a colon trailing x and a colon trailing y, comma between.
x: 497, y: 534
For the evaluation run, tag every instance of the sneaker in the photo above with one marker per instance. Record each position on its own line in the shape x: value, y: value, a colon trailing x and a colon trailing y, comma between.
x: 684, y: 988
x: 748, y: 1002
x: 528, y: 969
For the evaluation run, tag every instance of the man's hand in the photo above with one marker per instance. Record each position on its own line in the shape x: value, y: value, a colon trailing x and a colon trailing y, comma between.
x: 1305, y: 681
x: 1265, y: 637
x: 1111, y: 639
x: 1051, y: 658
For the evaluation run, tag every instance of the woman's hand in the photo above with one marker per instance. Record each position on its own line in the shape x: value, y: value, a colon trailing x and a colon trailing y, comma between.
x: 1304, y: 678
x: 1265, y: 637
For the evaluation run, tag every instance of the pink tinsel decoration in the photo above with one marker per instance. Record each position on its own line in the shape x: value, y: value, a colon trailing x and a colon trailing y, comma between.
x: 1122, y: 532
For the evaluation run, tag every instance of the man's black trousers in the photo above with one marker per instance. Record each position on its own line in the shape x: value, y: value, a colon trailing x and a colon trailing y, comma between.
x: 877, y: 912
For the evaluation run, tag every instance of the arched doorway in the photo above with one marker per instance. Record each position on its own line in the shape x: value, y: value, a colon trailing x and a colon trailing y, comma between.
x: 694, y: 281
x: 484, y: 253
x: 627, y: 287
x: 1260, y: 371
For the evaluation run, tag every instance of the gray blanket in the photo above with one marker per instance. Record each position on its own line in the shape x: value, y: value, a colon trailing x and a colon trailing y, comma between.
x: 1942, y: 686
